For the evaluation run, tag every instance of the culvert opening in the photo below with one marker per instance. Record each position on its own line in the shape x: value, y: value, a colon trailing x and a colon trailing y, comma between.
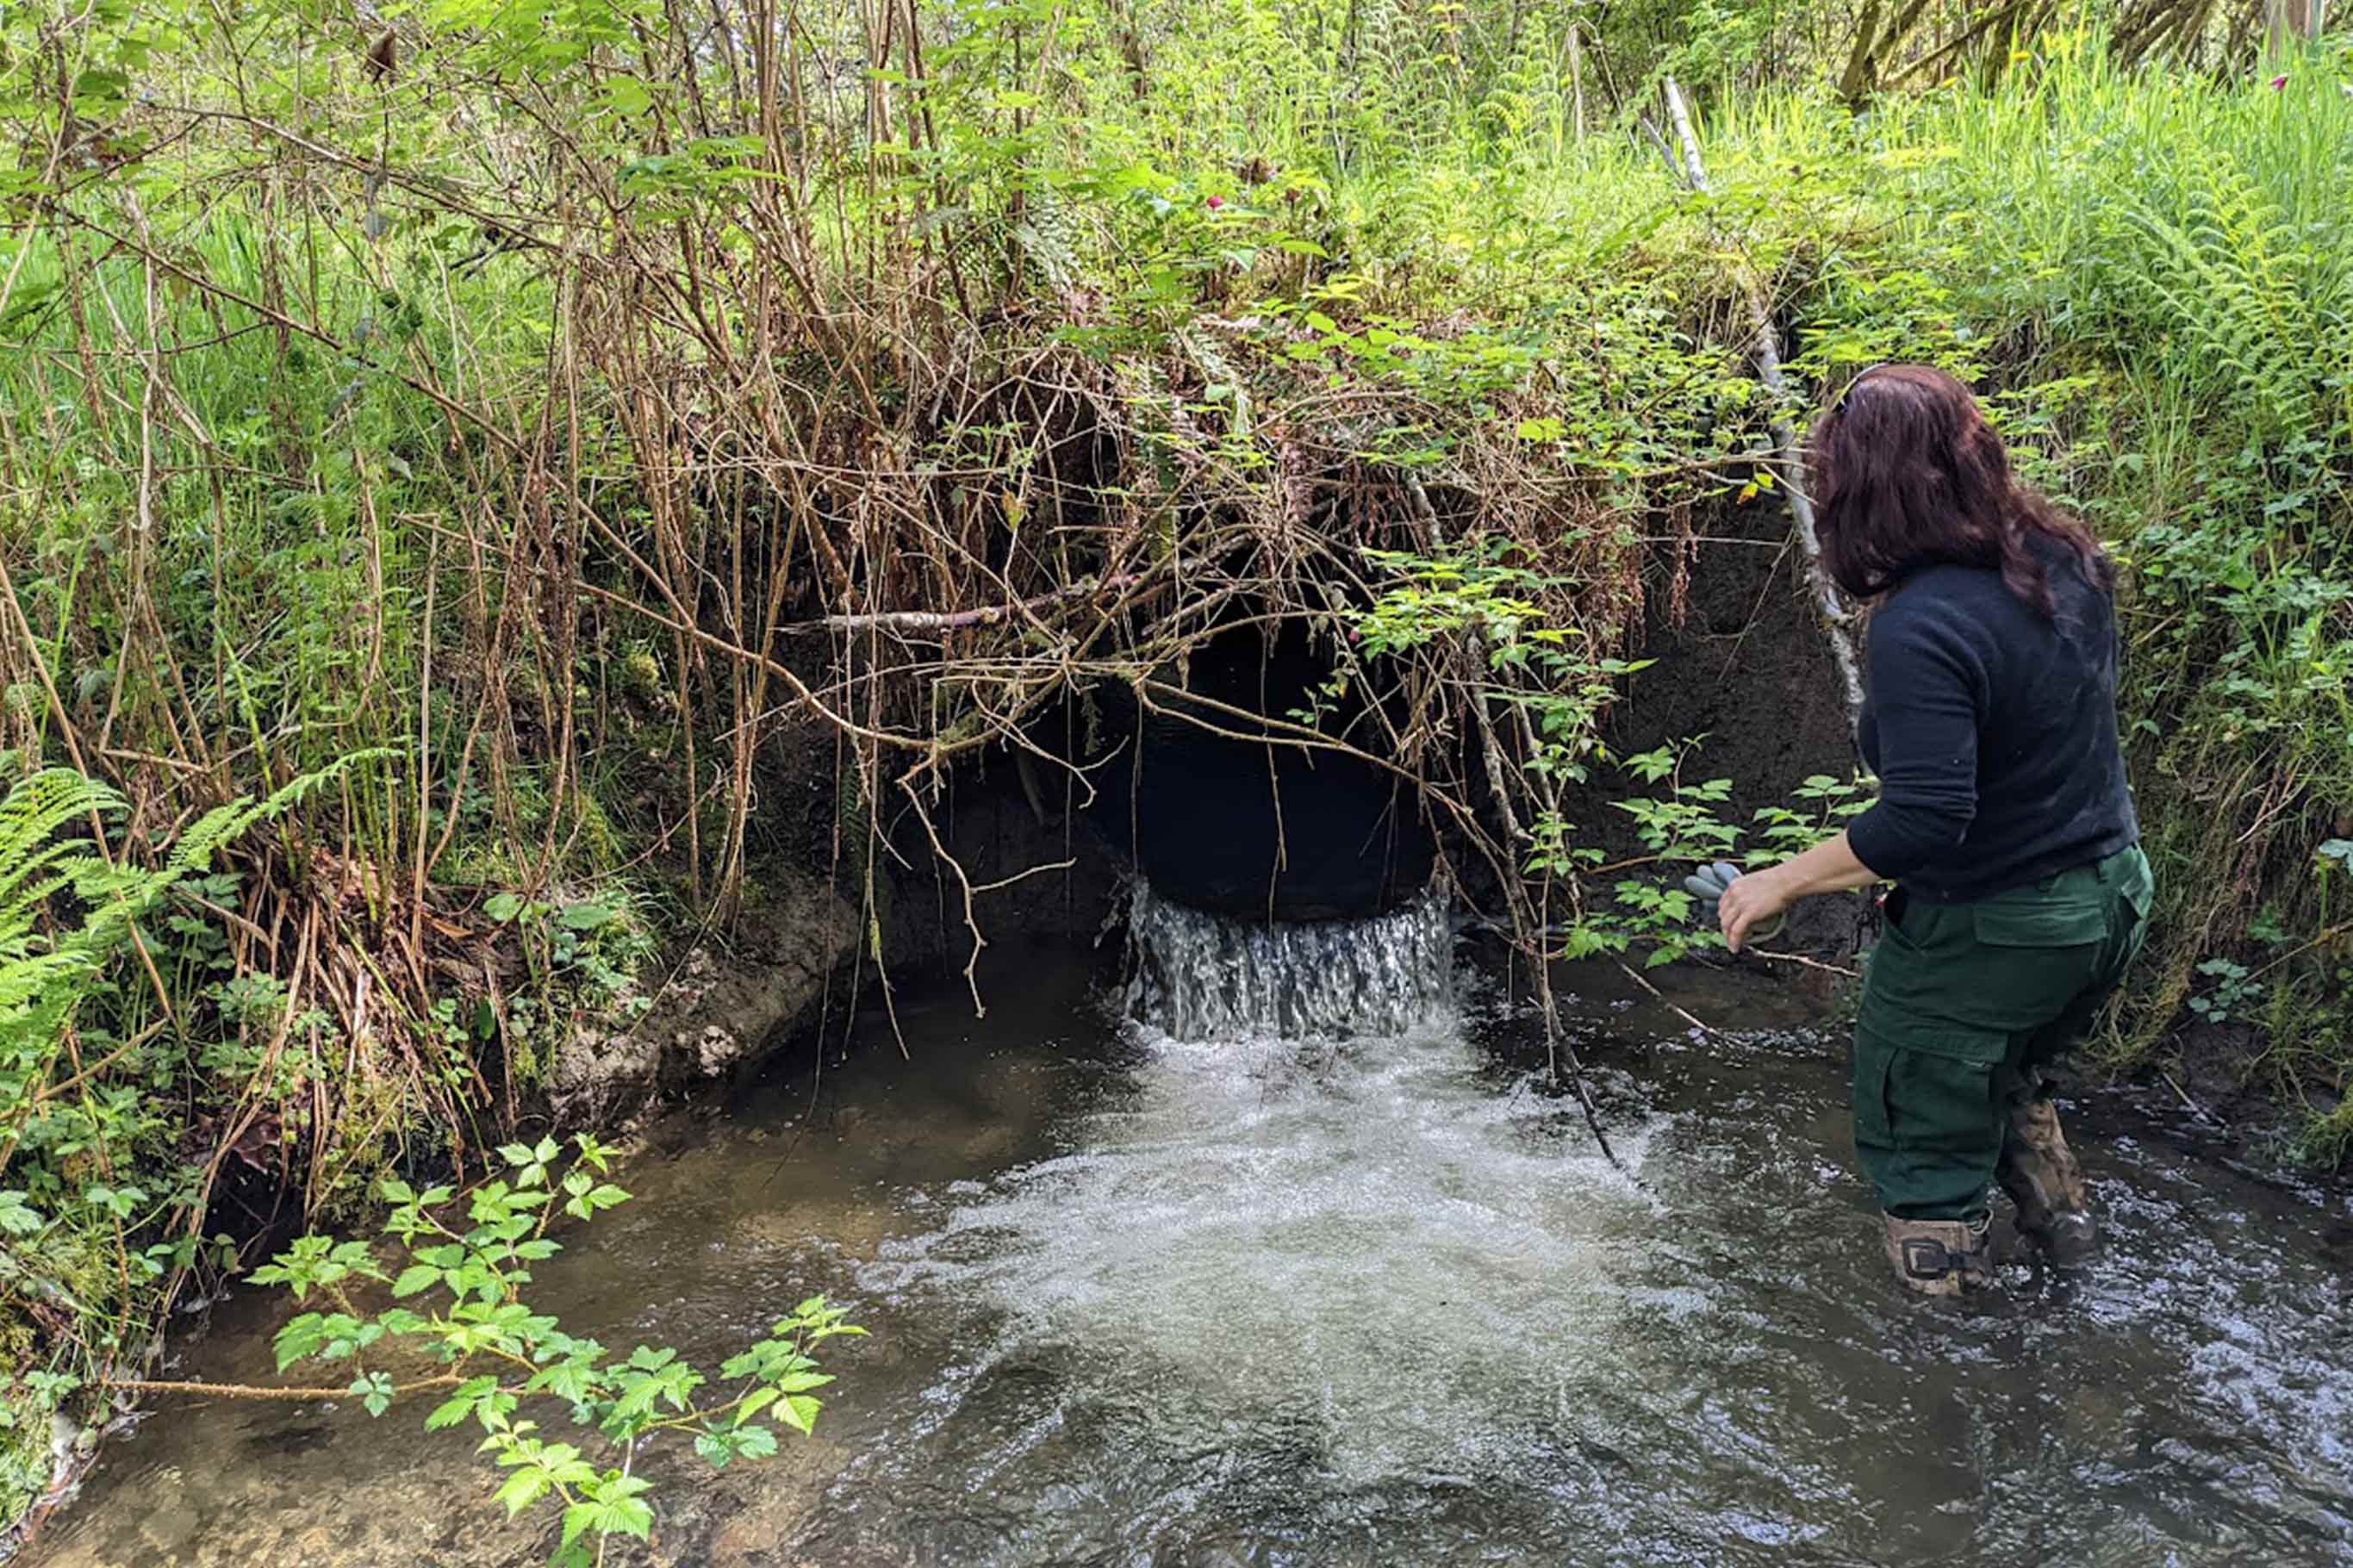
x: 1219, y: 808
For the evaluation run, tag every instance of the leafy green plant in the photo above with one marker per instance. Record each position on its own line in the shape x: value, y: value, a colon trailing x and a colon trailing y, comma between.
x: 2233, y: 991
x: 1818, y: 809
x: 466, y: 1261
x: 92, y: 1176
x: 1680, y: 826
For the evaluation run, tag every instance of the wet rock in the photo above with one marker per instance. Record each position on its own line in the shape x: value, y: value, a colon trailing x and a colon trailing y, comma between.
x: 720, y: 1010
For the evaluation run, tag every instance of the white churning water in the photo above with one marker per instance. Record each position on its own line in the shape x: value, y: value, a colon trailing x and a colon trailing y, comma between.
x: 1204, y: 977
x: 1279, y: 1259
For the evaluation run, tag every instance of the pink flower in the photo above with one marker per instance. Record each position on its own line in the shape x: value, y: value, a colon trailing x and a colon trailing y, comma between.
x: 1216, y: 201
x: 2278, y: 82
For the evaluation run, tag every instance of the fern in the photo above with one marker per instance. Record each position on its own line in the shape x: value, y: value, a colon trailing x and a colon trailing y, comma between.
x: 34, y: 811
x: 45, y: 976
x: 2231, y: 275
x: 41, y: 980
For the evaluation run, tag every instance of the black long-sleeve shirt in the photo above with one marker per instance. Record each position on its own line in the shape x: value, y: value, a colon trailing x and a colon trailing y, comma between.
x: 1993, y: 731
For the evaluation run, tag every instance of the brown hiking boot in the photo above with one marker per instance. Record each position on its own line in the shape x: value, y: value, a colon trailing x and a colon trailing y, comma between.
x: 1940, y: 1257
x: 2040, y: 1173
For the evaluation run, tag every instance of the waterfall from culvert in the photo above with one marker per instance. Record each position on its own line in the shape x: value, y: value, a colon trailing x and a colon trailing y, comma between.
x: 1199, y: 977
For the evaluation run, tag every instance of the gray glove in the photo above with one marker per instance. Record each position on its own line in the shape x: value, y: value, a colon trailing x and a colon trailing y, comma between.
x: 1707, y: 885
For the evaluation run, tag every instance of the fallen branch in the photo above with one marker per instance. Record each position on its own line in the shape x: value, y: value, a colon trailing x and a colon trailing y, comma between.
x: 1802, y: 961
x: 2196, y: 1109
x: 1766, y: 349
x: 950, y: 620
x: 1636, y: 976
x: 254, y: 1391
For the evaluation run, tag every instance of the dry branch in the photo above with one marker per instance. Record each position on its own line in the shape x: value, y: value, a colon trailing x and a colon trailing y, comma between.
x: 953, y: 620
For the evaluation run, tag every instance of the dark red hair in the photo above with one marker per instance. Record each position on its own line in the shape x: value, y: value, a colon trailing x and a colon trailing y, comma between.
x: 1907, y: 474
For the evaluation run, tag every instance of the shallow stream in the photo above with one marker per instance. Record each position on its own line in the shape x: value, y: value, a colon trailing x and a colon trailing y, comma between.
x: 1141, y: 1301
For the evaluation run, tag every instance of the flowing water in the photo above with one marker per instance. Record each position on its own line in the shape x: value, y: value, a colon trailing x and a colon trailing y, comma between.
x: 1204, y: 979
x: 1215, y: 1297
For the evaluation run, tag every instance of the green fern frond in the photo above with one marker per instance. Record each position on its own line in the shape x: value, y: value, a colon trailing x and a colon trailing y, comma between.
x: 31, y: 814
x: 42, y: 981
x: 209, y: 833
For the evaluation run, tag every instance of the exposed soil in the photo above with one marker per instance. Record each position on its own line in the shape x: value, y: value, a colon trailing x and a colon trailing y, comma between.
x: 1743, y: 666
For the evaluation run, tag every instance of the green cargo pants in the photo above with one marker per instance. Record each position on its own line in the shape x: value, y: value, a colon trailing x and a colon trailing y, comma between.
x: 1964, y: 1007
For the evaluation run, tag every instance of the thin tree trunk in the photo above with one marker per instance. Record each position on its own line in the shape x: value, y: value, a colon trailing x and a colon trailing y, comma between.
x: 1766, y: 349
x: 1860, y: 78
x: 1577, y: 79
x: 2284, y: 21
x: 1872, y: 46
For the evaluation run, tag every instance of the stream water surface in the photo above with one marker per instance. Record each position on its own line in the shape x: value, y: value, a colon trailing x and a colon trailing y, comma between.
x: 1138, y: 1300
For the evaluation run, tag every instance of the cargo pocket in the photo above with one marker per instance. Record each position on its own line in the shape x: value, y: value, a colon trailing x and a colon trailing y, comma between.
x: 1927, y: 1124
x: 2037, y: 952
x: 1907, y: 970
x: 1872, y: 1058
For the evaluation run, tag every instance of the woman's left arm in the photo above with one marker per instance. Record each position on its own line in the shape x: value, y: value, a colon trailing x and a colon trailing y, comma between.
x: 1830, y: 867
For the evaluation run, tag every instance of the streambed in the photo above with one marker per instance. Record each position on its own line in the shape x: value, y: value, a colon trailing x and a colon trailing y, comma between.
x: 1141, y: 1301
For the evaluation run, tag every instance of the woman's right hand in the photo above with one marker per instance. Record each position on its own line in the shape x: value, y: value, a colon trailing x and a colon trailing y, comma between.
x: 1750, y: 901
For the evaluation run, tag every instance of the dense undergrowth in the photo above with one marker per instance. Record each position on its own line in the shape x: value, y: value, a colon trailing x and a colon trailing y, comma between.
x: 522, y: 419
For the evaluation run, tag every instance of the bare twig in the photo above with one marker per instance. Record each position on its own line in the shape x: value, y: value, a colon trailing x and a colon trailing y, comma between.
x: 908, y: 621
x: 256, y: 1391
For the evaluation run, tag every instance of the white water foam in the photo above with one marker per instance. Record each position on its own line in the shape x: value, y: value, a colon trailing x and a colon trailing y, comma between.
x: 1201, y: 976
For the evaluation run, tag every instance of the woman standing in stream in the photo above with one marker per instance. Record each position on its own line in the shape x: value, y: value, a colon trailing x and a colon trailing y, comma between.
x: 2003, y: 820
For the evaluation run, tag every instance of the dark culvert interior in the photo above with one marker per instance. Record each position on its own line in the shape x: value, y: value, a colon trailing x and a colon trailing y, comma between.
x: 1226, y: 819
